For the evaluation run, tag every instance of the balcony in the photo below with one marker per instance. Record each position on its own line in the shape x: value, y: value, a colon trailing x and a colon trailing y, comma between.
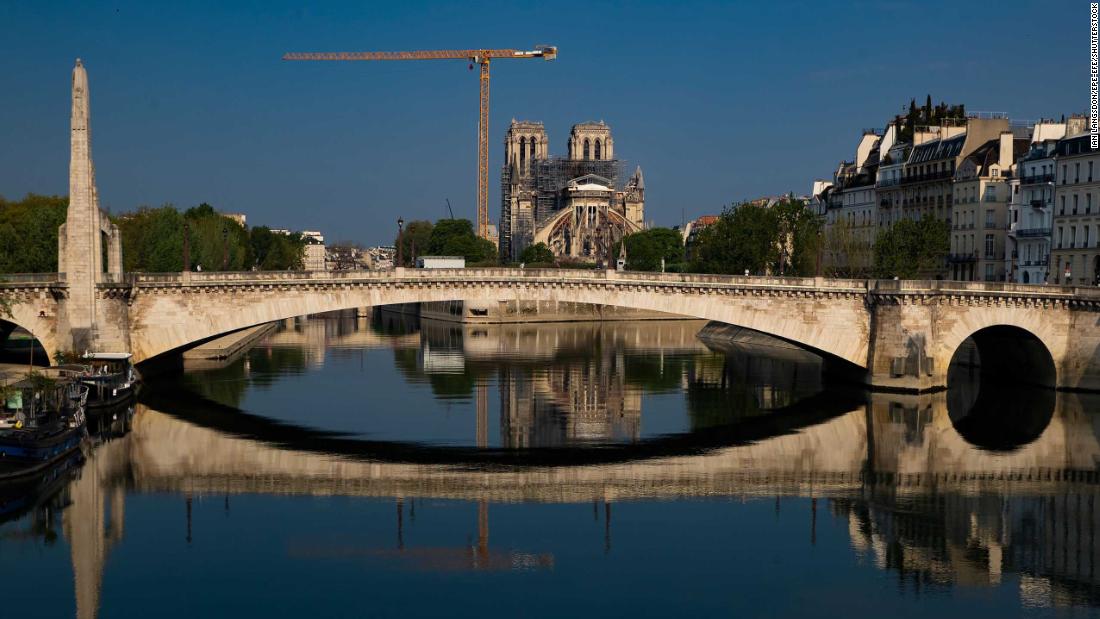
x: 1032, y: 232
x: 888, y: 182
x: 1040, y: 204
x: 1037, y: 179
x: 927, y: 177
x: 968, y: 257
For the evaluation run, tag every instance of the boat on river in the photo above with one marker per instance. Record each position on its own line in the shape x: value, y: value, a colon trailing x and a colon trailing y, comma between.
x: 41, y: 422
x: 110, y: 376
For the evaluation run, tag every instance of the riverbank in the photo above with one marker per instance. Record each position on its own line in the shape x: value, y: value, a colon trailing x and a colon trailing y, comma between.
x: 228, y: 345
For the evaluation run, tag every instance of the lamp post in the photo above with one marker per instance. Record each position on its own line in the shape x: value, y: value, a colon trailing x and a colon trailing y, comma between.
x: 225, y: 247
x: 400, y: 241
x: 186, y: 246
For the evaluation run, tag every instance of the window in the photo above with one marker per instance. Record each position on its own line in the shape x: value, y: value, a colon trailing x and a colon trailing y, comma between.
x: 1062, y: 206
x: 989, y: 218
x: 586, y: 149
x: 1077, y: 172
x: 533, y: 142
x: 1072, y: 237
x: 1075, y: 204
x: 989, y: 246
x: 1058, y: 240
x: 989, y: 272
x: 1064, y: 173
x: 1090, y: 171
x: 597, y: 150
x: 522, y: 152
x: 1085, y: 241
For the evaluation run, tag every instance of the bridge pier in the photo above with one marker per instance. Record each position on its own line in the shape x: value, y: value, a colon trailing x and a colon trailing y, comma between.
x: 900, y: 356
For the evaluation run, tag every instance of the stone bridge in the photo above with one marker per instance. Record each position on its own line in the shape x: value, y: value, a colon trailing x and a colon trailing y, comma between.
x: 892, y: 334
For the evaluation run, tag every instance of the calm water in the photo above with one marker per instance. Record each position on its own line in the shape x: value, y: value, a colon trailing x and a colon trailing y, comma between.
x: 347, y: 466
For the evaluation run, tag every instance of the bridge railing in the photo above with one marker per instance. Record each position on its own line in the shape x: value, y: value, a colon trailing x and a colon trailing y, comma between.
x: 512, y: 274
x: 31, y: 278
x: 910, y: 285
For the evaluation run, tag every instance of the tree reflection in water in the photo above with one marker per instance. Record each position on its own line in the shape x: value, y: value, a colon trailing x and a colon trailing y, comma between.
x: 933, y: 488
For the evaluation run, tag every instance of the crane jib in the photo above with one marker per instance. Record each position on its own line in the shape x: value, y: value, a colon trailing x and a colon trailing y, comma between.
x: 480, y: 56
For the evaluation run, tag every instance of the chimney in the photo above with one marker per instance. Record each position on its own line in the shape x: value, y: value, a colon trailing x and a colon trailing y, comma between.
x: 1005, y: 160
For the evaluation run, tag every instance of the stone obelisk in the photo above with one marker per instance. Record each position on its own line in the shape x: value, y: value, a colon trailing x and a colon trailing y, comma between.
x: 79, y: 239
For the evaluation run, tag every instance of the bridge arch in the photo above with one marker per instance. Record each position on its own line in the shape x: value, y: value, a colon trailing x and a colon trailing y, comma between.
x: 835, y: 323
x: 1021, y: 348
x: 37, y: 318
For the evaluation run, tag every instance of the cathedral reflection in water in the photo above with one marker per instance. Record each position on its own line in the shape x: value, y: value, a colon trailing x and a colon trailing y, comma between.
x: 926, y: 488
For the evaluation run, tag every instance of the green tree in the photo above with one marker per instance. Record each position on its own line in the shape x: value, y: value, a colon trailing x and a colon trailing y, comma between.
x: 912, y: 249
x: 845, y: 254
x: 455, y: 237
x: 152, y: 239
x: 799, y: 237
x: 28, y: 233
x: 212, y: 233
x: 779, y: 239
x: 645, y: 249
x: 413, y: 241
x: 538, y: 253
x: 743, y: 239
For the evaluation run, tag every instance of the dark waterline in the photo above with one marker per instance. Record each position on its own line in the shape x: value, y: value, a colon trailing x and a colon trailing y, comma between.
x: 389, y: 468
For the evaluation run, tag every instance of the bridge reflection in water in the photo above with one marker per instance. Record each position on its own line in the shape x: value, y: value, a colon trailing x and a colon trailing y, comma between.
x: 919, y: 496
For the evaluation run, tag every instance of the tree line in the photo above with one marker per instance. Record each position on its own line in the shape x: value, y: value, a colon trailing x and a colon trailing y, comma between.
x: 152, y: 239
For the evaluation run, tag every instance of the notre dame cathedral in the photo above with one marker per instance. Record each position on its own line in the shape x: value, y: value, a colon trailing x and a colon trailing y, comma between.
x: 571, y: 204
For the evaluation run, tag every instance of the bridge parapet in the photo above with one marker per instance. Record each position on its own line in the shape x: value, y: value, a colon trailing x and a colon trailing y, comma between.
x: 20, y: 280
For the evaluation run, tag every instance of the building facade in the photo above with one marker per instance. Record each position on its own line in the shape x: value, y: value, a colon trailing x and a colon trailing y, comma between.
x: 980, y: 210
x: 1032, y: 208
x: 571, y: 204
x: 1076, y: 219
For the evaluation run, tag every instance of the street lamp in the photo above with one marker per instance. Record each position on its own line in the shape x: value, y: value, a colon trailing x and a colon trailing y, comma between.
x: 186, y: 246
x: 225, y: 247
x: 400, y: 227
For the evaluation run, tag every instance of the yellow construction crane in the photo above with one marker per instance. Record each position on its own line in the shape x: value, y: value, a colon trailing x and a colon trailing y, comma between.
x: 478, y: 56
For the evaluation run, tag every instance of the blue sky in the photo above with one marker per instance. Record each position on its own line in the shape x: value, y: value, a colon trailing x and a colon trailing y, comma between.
x: 717, y: 101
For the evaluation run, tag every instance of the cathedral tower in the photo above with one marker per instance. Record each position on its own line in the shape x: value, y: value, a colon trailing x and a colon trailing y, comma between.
x: 591, y: 141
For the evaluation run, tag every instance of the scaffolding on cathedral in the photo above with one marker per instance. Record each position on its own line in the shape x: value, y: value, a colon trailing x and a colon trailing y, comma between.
x: 552, y: 175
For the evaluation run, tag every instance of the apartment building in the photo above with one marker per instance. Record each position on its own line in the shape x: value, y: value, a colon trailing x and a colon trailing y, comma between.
x: 980, y: 209
x: 1076, y: 218
x: 1031, y: 213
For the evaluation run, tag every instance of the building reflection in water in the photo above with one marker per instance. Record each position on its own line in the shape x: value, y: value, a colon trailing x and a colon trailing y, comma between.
x: 920, y: 495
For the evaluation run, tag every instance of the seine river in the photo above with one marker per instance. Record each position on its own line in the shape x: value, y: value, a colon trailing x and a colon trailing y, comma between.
x: 350, y: 466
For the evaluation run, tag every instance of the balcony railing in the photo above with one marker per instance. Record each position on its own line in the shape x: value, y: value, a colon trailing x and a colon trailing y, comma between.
x: 1032, y: 232
x: 1036, y: 179
x: 968, y: 257
x: 927, y: 176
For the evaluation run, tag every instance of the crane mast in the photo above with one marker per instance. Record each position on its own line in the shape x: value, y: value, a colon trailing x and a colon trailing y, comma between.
x: 481, y: 57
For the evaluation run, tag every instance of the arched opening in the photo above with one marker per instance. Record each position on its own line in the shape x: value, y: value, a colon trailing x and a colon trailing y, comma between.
x: 1003, y: 354
x: 1000, y: 388
x: 522, y: 152
x: 533, y: 142
x: 586, y: 147
x: 20, y: 346
x: 597, y: 152
x: 1027, y: 277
